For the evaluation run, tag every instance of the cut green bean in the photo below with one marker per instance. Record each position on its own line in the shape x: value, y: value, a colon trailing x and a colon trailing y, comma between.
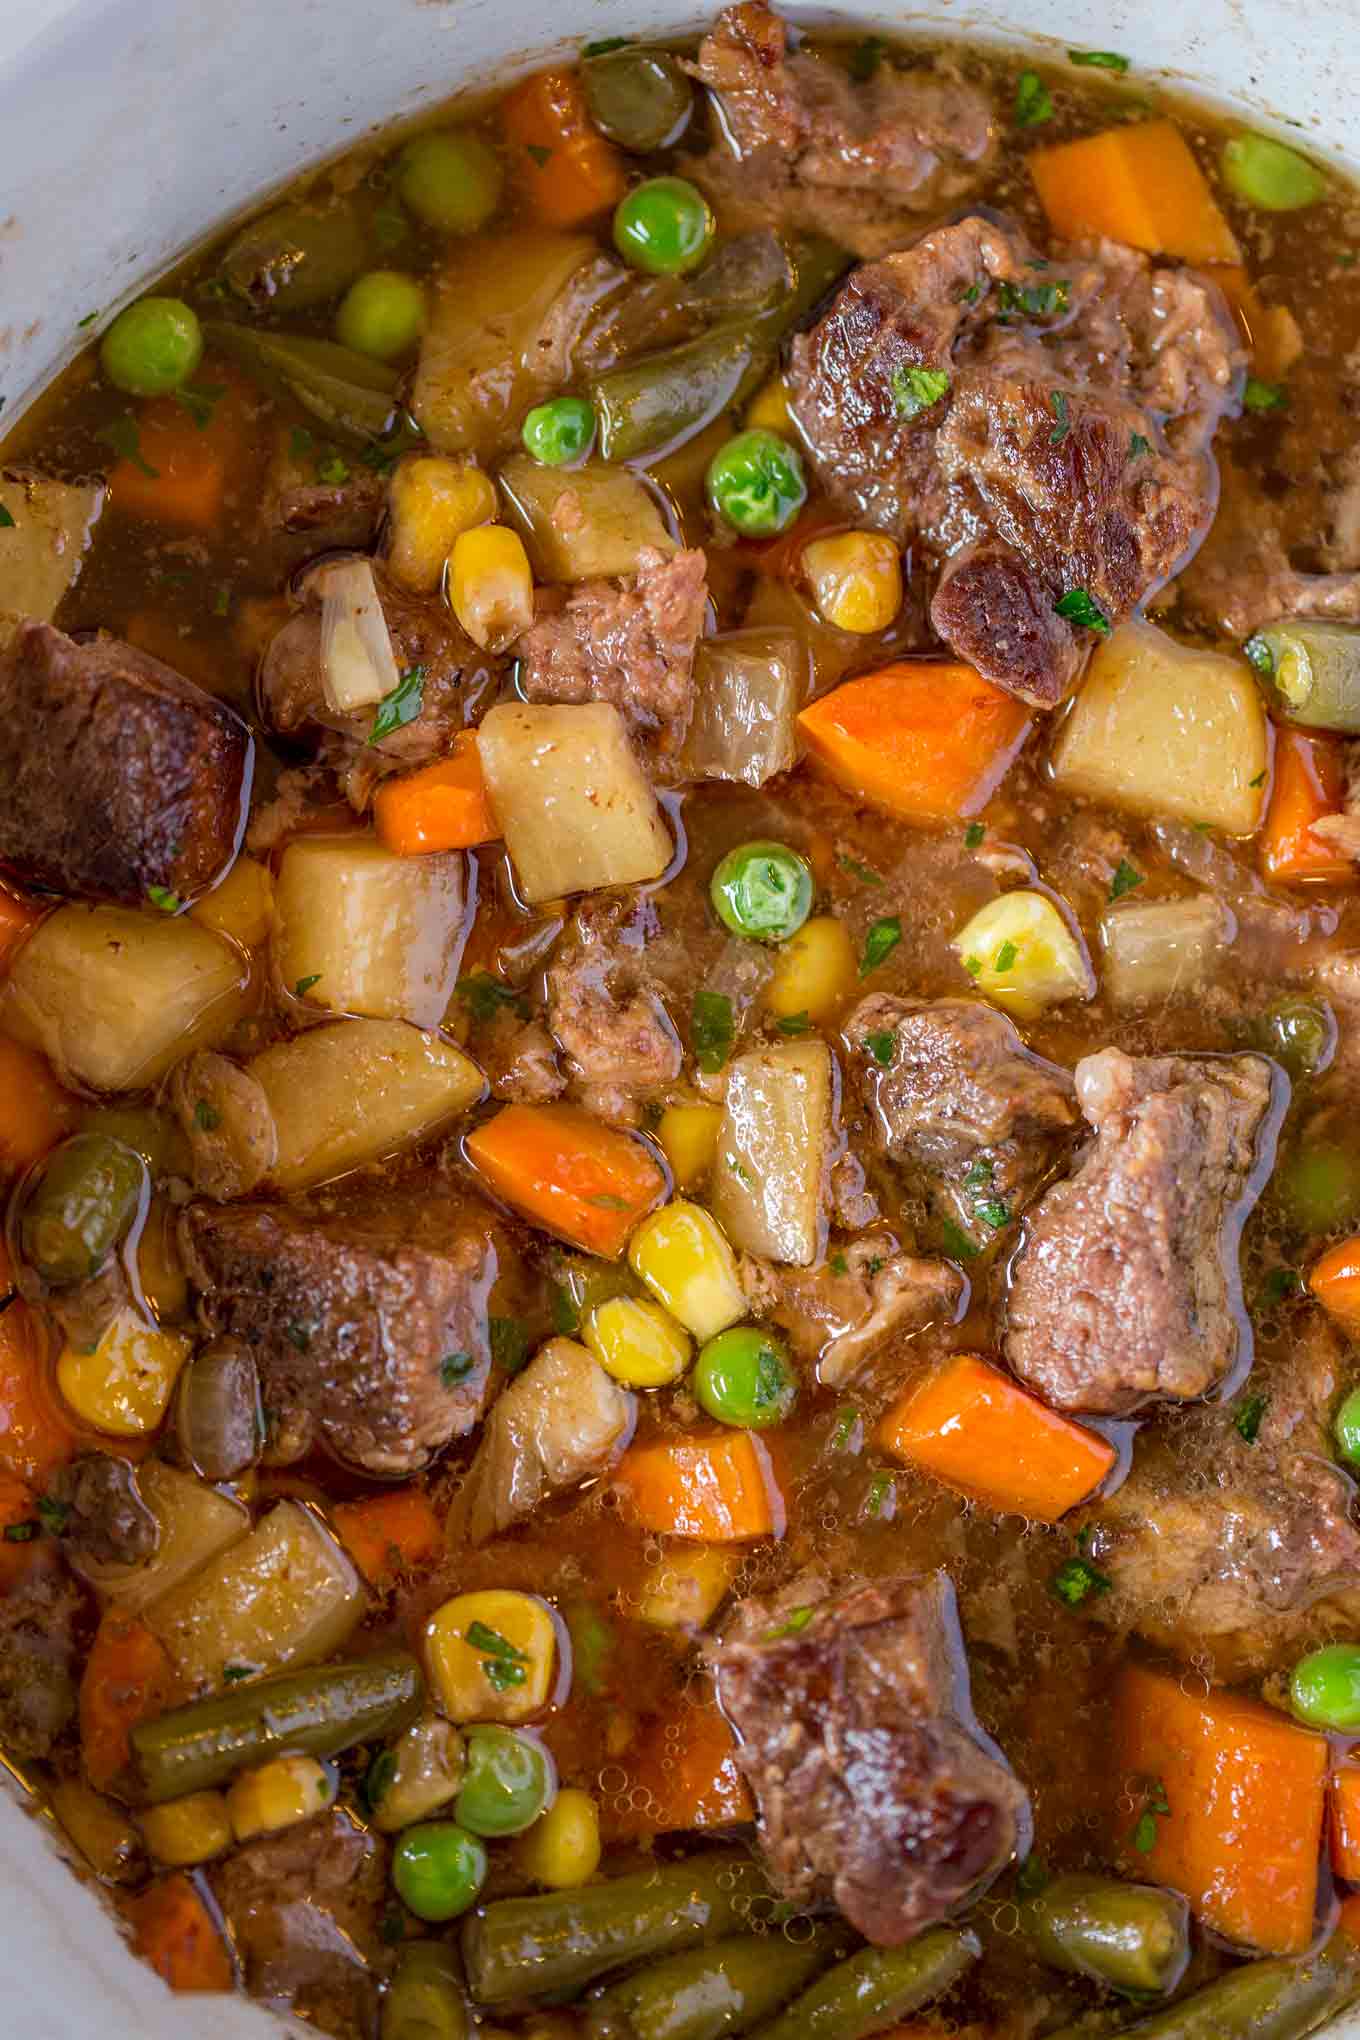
x: 554, y: 1944
x: 641, y: 99
x: 425, y: 1999
x: 315, y: 1713
x: 1313, y: 671
x: 351, y: 393
x: 861, y: 1996
x: 1275, y: 2000
x: 707, y: 1993
x: 296, y: 257
x: 1135, y: 1937
x: 1270, y: 175
x: 80, y: 1204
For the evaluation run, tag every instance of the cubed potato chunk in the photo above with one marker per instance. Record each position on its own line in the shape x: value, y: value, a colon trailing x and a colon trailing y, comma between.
x: 575, y: 807
x: 357, y: 930
x: 585, y: 524
x: 196, y: 1522
x: 123, y: 1385
x: 1161, y: 949
x: 767, y: 1190
x: 491, y: 1656
x: 43, y: 546
x: 358, y: 1090
x: 1023, y: 955
x: 113, y: 997
x: 1164, y: 729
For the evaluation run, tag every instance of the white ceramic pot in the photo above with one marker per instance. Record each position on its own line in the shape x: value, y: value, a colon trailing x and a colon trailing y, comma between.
x: 131, y: 128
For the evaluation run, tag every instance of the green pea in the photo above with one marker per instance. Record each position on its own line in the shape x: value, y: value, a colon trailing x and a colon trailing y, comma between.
x: 559, y: 431
x: 1319, y: 1185
x: 382, y: 314
x: 664, y: 226
x: 763, y: 891
x: 641, y: 99
x: 153, y: 347
x: 1271, y: 176
x: 507, y: 1783
x: 79, y: 1205
x: 1346, y: 1428
x: 756, y: 483
x: 451, y: 180
x: 1324, y: 1689
x: 743, y: 1377
x: 438, y: 1869
x: 1300, y: 1033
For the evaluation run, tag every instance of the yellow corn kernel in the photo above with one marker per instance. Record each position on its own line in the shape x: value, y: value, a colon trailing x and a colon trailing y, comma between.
x: 425, y: 1773
x: 813, y: 971
x: 689, y: 1140
x: 188, y: 1830
x: 684, y: 1588
x: 491, y: 587
x: 683, y: 1256
x: 1021, y: 953
x: 101, y: 1831
x: 856, y: 579
x: 123, y: 1385
x: 768, y: 410
x: 242, y: 907
x: 562, y: 1849
x: 491, y: 1656
x: 636, y: 1342
x: 278, y: 1795
x: 433, y: 501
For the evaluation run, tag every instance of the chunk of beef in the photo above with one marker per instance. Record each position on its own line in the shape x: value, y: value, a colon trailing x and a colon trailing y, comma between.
x: 303, y: 1907
x: 873, y: 1786
x: 119, y: 780
x: 518, y: 1060
x: 1243, y: 578
x: 1126, y: 1287
x: 227, y: 1122
x: 331, y: 513
x: 560, y: 1422
x: 39, y: 1619
x: 367, y: 1309
x: 843, y: 1313
x: 1072, y: 455
x: 632, y: 645
x: 962, y: 1104
x: 808, y: 146
x: 107, y: 1522
x: 609, y: 1020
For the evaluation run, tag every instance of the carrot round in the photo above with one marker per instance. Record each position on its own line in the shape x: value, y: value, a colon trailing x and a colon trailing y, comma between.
x: 174, y: 1930
x: 977, y: 1430
x: 389, y: 1534
x: 35, y: 1112
x: 720, y: 1490
x: 127, y: 1679
x: 1335, y: 1281
x: 1345, y: 1826
x: 686, y: 1764
x: 1139, y: 184
x: 1309, y: 783
x: 442, y: 807
x: 569, y: 1172
x: 562, y: 163
x: 35, y: 1438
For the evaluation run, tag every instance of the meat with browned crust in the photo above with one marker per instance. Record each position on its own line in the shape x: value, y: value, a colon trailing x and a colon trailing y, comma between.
x: 39, y: 1618
x: 605, y: 1012
x: 119, y: 779
x: 859, y: 1304
x: 874, y: 1790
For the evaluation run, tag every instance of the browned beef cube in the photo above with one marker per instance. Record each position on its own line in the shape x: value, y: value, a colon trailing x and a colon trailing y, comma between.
x: 1127, y: 1287
x: 39, y: 1619
x: 119, y: 780
x: 874, y: 1791
x: 368, y: 1309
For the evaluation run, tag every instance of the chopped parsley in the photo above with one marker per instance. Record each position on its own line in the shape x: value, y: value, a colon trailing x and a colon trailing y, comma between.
x: 503, y: 1664
x: 979, y: 1174
x: 299, y: 1336
x: 605, y: 1200
x: 1261, y: 397
x: 509, y: 1342
x: 300, y: 442
x: 994, y: 1211
x: 794, y: 1023
x: 1124, y: 880
x: 304, y: 985
x: 392, y: 1927
x: 847, y: 1423
x: 1260, y: 778
x: 882, y: 1047
x: 22, y: 1533
x: 1036, y: 300
x: 1155, y: 1807
x: 401, y: 706
x: 1281, y: 1283
x: 1078, y: 607
x: 605, y: 44
x: 6, y: 520
x: 838, y: 1264
x: 973, y: 835
x: 122, y: 435
x: 222, y: 600
x: 973, y: 965
x: 162, y: 897
x: 1062, y: 423
x: 1247, y: 1422
x: 540, y: 155
x: 1258, y: 654
x: 332, y: 470
x: 865, y: 873
x: 1138, y: 446
x: 712, y: 1029
x: 1099, y: 60
x: 880, y: 943
x: 1033, y: 100
x: 88, y: 320
x: 1076, y: 1580
x: 53, y: 1514
x: 200, y: 401
x: 485, y: 996
x: 882, y: 1494
x: 231, y: 1674
x: 455, y: 1367
x: 207, y: 1118
x: 916, y: 389
x: 866, y: 57
x: 1004, y: 959
x: 957, y: 1244
x: 795, y: 1624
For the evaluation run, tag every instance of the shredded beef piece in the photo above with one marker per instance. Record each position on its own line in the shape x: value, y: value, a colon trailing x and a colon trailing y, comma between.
x: 864, y: 1296
x: 610, y: 1023
x: 519, y: 1061
x: 1126, y: 1287
x: 558, y: 1423
x: 39, y: 1617
x: 1243, y: 580
x: 874, y: 1789
x: 107, y: 1521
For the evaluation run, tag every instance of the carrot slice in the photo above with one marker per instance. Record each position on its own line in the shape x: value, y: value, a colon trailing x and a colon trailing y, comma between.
x: 35, y: 1112
x: 1234, y: 1796
x: 185, y: 459
x: 1310, y: 782
x: 1139, y: 184
x: 562, y: 163
x: 1334, y: 1279
x: 35, y: 1438
x: 442, y: 807
x: 389, y: 1534
x: 720, y: 1490
x: 686, y: 1764
x: 928, y: 739
x: 19, y: 1528
x: 127, y: 1679
x: 1345, y: 1808
x: 569, y: 1172
x: 17, y: 922
x: 978, y: 1431
x: 174, y: 1931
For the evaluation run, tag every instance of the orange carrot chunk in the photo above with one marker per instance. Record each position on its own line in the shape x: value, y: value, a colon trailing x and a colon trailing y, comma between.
x: 127, y: 1679
x: 567, y: 1171
x: 389, y: 1534
x: 978, y: 1431
x: 35, y: 1112
x: 1228, y: 1806
x: 442, y: 807
x: 20, y: 1528
x: 1139, y: 184
x: 928, y: 739
x: 1335, y: 1281
x: 720, y: 1490
x: 686, y: 1763
x: 35, y: 1438
x: 1346, y: 1826
x: 174, y: 1931
x: 1310, y: 782
x: 17, y: 921
x: 561, y: 161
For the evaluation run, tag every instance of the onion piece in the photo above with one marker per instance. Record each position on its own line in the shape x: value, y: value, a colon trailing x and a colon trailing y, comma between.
x: 358, y: 665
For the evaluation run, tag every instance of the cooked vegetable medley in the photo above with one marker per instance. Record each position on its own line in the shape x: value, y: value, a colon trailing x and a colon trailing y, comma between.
x: 679, y: 1068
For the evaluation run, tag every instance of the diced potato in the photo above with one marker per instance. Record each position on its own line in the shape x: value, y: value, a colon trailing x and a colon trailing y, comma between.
x: 358, y: 1090
x: 285, y: 1595
x: 185, y: 1831
x: 278, y: 1795
x: 1022, y: 954
x: 481, y: 367
x: 768, y: 410
x: 123, y: 1386
x: 773, y: 1151
x: 432, y: 502
x: 689, y: 1139
x: 43, y: 548
x: 112, y: 997
x: 575, y: 807
x: 813, y: 971
x: 358, y: 930
x: 748, y: 689
x: 1162, y: 728
x: 683, y: 1256
x: 422, y: 1771
x: 583, y: 525
x: 242, y: 907
x: 562, y: 1850
x: 1160, y: 949
x: 196, y: 1523
x: 636, y: 1342
x: 685, y: 1588
x: 491, y: 1656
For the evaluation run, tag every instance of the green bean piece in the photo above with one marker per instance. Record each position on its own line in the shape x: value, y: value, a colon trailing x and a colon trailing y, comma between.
x: 640, y: 98
x: 707, y: 1993
x: 1313, y: 672
x: 1298, y: 1032
x: 82, y: 1202
x: 553, y: 1944
x: 1134, y: 1937
x: 651, y: 405
x: 351, y: 393
x: 316, y: 1713
x: 870, y: 1990
x: 296, y: 257
x: 1269, y: 175
x: 425, y: 1999
x: 1274, y: 2000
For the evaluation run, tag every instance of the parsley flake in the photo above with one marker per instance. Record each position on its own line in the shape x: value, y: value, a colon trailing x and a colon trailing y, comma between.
x: 1004, y: 959
x: 979, y: 1173
x: 1281, y: 1283
x: 794, y: 1023
x: 1033, y: 100
x: 22, y: 1533
x: 882, y: 1047
x: 1076, y: 1580
x: 401, y: 706
x: 796, y: 1623
x: 1036, y: 300
x: 231, y: 1674
x: 486, y: 996
x: 1062, y: 423
x: 712, y: 1029
x: 973, y: 965
x: 509, y: 1338
x: 122, y: 435
x: 54, y: 1515
x: 540, y: 155
x: 455, y: 1367
x: 207, y: 1118
x: 957, y: 1244
x: 847, y: 1424
x: 304, y: 984
x: 1099, y: 60
x: 916, y: 389
x: 6, y: 520
x: 973, y: 835
x: 880, y: 943
x: 1258, y: 654
x: 882, y: 1495
x: 200, y: 401
x: 865, y: 873
x: 866, y: 57
x: 332, y: 470
x: 1124, y: 880
x: 160, y: 896
x: 995, y: 1212
x: 605, y: 44
x: 1079, y: 608
x: 1262, y: 397
x: 1138, y: 446
x: 1247, y: 1422
x: 88, y: 320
